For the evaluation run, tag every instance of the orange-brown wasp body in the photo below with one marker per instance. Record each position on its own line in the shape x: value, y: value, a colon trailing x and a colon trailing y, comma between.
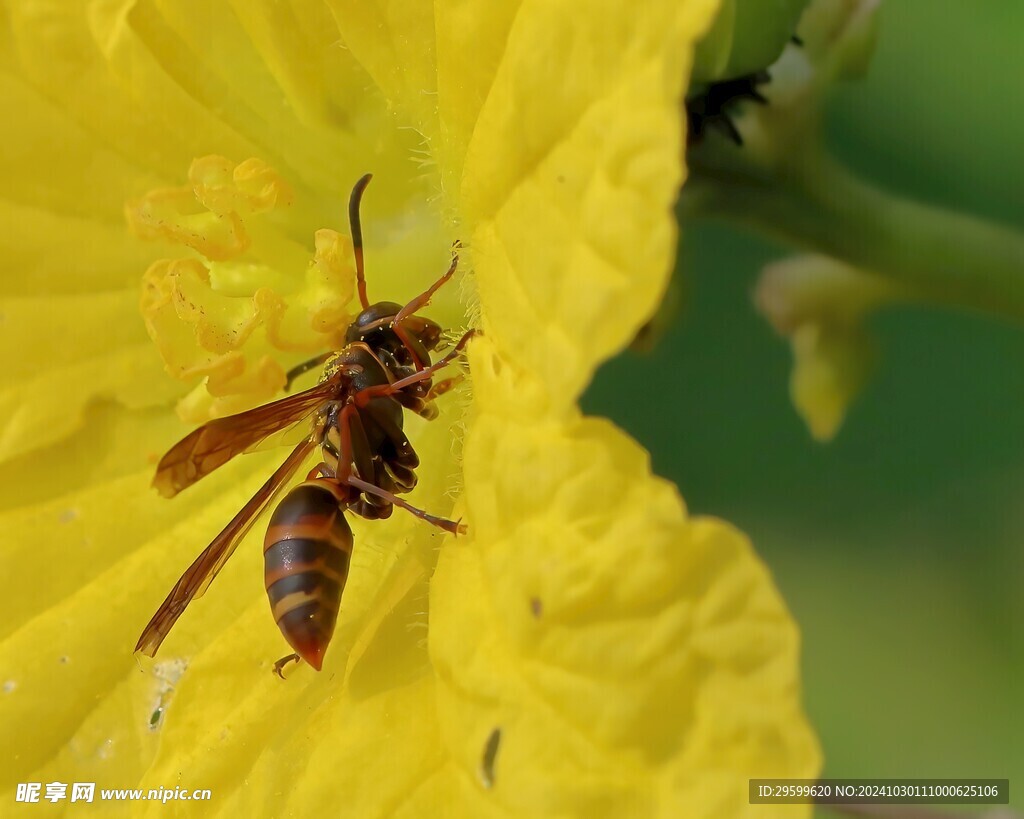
x: 357, y: 411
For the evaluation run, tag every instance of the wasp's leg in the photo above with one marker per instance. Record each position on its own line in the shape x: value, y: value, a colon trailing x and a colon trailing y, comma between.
x: 420, y: 357
x: 280, y: 664
x: 375, y: 505
x: 413, y: 398
x: 353, y: 448
x: 304, y: 367
x: 441, y: 387
x: 420, y: 406
x: 418, y: 353
x: 399, y: 323
x: 363, y: 397
x: 453, y: 526
x: 321, y: 470
x: 362, y: 459
x: 441, y: 363
x: 423, y: 299
x: 369, y: 467
x: 424, y: 405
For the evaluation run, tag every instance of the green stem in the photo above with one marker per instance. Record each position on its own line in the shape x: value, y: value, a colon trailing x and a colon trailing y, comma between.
x: 817, y: 203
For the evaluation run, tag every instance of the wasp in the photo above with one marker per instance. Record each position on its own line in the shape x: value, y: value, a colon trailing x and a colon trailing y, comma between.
x: 356, y: 412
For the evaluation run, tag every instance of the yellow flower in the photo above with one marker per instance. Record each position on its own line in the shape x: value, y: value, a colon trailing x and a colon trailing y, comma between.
x: 587, y: 648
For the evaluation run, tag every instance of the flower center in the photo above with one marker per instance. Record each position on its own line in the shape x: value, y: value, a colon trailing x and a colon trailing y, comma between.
x: 242, y: 292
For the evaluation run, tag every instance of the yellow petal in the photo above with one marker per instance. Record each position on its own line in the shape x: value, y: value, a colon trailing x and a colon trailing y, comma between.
x: 115, y: 441
x: 51, y: 406
x: 394, y: 42
x: 569, y: 180
x: 629, y: 655
x: 68, y: 644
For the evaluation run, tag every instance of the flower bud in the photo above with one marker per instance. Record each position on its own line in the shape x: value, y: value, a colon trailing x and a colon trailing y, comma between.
x: 820, y: 305
x: 830, y: 366
x: 747, y: 36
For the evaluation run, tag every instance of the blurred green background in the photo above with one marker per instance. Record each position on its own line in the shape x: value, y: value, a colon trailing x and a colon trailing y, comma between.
x: 897, y: 546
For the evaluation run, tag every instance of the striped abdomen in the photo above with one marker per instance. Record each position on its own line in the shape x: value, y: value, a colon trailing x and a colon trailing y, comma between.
x: 306, y: 554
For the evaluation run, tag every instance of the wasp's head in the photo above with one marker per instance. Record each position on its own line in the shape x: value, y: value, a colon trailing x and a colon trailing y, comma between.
x: 375, y: 327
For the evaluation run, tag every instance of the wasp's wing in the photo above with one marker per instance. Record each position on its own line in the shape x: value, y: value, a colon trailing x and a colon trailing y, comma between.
x: 217, y: 442
x: 197, y: 577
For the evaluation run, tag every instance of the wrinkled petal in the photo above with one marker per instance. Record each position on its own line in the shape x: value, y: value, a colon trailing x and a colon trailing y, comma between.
x: 569, y: 186
x: 594, y: 623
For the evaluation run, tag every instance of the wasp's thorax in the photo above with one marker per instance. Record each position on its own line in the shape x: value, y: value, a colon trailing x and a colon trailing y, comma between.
x: 401, y: 355
x: 362, y: 365
x: 381, y: 452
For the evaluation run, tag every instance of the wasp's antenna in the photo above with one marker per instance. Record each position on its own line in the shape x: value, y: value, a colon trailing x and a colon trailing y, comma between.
x: 357, y: 235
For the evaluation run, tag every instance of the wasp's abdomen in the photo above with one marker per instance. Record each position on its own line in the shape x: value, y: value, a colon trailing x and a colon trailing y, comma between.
x: 306, y: 556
